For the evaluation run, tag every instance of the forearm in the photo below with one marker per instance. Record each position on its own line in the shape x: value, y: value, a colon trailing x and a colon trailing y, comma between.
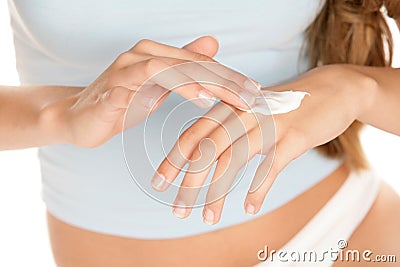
x: 20, y: 111
x: 383, y: 109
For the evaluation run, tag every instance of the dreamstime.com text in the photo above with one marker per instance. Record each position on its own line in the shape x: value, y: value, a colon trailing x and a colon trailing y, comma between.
x: 340, y: 253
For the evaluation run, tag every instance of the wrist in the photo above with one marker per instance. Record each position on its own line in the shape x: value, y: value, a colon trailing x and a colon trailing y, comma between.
x: 55, y: 121
x: 366, y: 88
x: 358, y: 87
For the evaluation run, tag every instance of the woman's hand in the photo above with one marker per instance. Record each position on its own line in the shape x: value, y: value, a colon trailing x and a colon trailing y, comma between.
x: 95, y: 114
x: 338, y: 95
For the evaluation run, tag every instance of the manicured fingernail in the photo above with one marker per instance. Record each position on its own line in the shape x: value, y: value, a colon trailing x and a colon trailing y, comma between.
x: 206, y: 99
x: 250, y: 209
x: 208, y: 217
x: 248, y: 98
x: 158, y: 182
x: 179, y: 209
x: 148, y: 102
x: 252, y: 86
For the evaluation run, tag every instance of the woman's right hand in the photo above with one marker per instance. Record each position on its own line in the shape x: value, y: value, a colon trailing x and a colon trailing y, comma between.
x: 94, y: 115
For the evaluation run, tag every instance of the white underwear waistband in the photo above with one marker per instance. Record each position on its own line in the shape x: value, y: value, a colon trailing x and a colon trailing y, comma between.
x: 332, y: 226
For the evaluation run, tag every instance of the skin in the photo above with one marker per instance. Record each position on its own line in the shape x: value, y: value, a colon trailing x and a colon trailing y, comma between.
x: 296, y: 132
x: 57, y: 114
x: 67, y: 115
x: 233, y: 246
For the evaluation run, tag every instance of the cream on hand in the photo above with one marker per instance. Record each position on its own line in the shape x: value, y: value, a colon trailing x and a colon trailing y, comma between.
x: 271, y: 103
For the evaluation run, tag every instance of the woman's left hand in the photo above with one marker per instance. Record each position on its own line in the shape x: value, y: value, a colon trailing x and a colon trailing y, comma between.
x: 338, y: 95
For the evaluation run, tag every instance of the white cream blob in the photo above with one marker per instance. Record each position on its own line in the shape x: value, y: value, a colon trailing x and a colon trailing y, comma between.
x: 271, y: 103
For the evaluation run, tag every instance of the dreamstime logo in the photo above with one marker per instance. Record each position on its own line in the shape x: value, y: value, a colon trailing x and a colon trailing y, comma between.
x: 158, y: 115
x: 341, y: 253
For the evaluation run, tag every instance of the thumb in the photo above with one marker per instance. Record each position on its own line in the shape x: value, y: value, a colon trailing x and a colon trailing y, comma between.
x: 206, y: 45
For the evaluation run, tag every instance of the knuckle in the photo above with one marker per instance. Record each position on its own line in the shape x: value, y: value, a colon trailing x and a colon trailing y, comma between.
x: 256, y: 196
x: 185, y: 143
x: 150, y: 66
x: 143, y: 45
x: 196, y: 155
x: 113, y: 93
x: 260, y: 188
x: 174, y: 161
x: 188, y: 137
x: 227, y: 159
x: 208, y: 144
x: 123, y: 59
x: 110, y: 81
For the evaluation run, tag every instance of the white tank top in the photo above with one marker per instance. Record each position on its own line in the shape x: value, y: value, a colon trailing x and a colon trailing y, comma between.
x: 72, y: 42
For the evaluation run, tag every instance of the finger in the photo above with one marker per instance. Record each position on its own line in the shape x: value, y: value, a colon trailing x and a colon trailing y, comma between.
x: 206, y: 45
x: 195, y: 81
x: 201, y: 49
x: 181, y: 152
x: 228, y: 166
x: 199, y: 168
x: 113, y: 104
x: 162, y: 50
x: 287, y: 149
x: 161, y: 72
x: 238, y: 82
x: 222, y: 82
x: 143, y: 103
x: 219, y: 135
x: 204, y: 157
x: 234, y: 127
x: 157, y: 49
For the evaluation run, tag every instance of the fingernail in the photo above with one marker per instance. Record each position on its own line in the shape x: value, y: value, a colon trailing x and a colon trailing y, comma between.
x: 252, y: 86
x: 208, y: 217
x: 148, y: 102
x: 206, y: 98
x: 179, y: 209
x: 247, y: 98
x: 158, y: 181
x: 250, y: 209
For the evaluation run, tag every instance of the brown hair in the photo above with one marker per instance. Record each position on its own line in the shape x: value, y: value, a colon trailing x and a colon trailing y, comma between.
x: 352, y: 32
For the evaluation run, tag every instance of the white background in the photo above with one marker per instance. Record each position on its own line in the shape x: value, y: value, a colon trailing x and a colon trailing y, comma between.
x: 23, y: 233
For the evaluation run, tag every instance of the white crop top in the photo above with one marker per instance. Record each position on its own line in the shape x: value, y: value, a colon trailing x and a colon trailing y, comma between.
x: 72, y: 42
